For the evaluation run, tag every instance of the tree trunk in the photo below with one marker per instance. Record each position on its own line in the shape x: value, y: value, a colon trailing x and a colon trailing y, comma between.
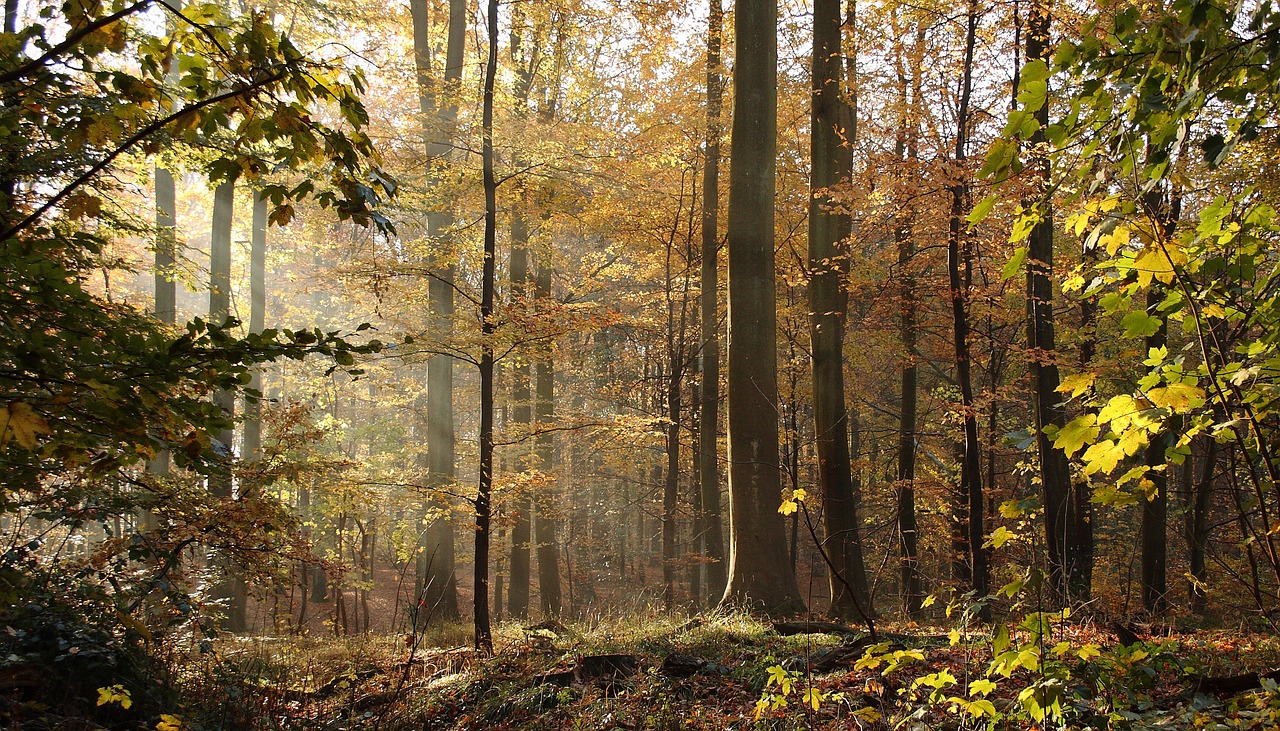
x: 229, y: 588
x: 759, y: 574
x: 435, y: 577
x: 829, y: 230
x: 1155, y: 505
x: 960, y: 283
x: 257, y: 323
x: 1066, y: 568
x: 545, y: 525
x: 709, y: 408
x: 483, y: 633
x: 1198, y: 524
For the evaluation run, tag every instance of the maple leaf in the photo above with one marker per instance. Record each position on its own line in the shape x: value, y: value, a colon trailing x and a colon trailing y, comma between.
x: 22, y: 423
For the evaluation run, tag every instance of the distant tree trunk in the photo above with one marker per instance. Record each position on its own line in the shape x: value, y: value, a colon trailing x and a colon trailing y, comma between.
x: 229, y: 588
x: 435, y: 579
x: 545, y: 526
x: 759, y: 573
x: 521, y: 288
x: 483, y: 633
x: 257, y: 323
x: 166, y: 309
x: 960, y: 283
x: 709, y: 408
x: 1155, y: 505
x: 829, y: 229
x: 522, y: 419
x: 695, y: 501
x: 1197, y: 523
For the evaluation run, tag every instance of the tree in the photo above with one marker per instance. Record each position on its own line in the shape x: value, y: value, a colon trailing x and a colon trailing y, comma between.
x: 759, y: 570
x: 483, y: 633
x: 711, y: 532
x: 436, y: 583
x: 829, y: 230
x: 971, y: 462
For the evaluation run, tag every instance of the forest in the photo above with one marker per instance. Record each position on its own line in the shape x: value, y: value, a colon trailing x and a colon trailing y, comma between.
x: 640, y: 364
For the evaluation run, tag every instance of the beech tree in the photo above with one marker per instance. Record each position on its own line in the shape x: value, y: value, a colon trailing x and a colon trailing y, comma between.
x: 760, y: 572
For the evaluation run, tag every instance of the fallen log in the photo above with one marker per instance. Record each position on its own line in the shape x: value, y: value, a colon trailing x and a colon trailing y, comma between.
x: 1231, y: 684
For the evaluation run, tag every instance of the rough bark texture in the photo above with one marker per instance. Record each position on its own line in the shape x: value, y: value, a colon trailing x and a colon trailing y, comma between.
x: 829, y: 229
x: 709, y: 422
x: 759, y: 572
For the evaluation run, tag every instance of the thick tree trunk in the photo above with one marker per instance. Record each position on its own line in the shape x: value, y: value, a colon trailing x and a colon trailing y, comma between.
x: 709, y: 408
x: 257, y: 323
x: 759, y: 573
x: 829, y: 230
x: 228, y: 588
x: 522, y: 419
x: 1066, y: 552
x: 436, y: 581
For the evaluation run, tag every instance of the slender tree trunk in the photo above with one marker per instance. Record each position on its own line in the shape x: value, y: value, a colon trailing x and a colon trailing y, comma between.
x: 709, y: 408
x: 1155, y: 505
x: 483, y: 633
x: 759, y: 574
x: 1198, y: 524
x: 829, y: 229
x: 545, y: 525
x: 522, y: 419
x: 961, y: 279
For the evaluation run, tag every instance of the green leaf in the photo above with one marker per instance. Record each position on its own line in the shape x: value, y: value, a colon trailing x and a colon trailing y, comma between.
x: 981, y: 210
x: 1078, y: 432
x: 1014, y: 265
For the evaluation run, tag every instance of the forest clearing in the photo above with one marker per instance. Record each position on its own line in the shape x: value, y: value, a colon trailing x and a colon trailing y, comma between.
x: 639, y: 364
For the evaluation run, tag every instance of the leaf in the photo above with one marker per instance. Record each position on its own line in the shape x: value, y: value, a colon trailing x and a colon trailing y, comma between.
x: 1177, y: 396
x: 1076, y: 383
x: 999, y: 537
x: 22, y: 423
x: 1079, y: 431
x: 1140, y: 324
x: 981, y: 210
x: 981, y: 686
x: 813, y: 697
x: 1014, y: 264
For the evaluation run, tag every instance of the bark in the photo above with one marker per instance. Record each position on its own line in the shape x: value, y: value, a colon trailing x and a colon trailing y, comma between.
x: 545, y: 525
x: 960, y: 276
x: 228, y: 589
x: 483, y: 633
x: 257, y: 323
x: 1198, y: 524
x: 759, y: 573
x: 1155, y: 506
x: 829, y: 230
x: 709, y: 408
x: 1066, y: 552
x: 435, y: 571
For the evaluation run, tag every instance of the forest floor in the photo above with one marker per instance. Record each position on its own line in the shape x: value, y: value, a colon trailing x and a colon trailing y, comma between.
x: 731, y: 671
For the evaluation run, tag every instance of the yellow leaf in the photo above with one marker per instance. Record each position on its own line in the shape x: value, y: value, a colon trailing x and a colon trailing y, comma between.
x: 813, y: 697
x: 788, y: 507
x: 1153, y: 263
x: 1177, y: 396
x: 1076, y: 383
x: 21, y: 422
x: 1114, y: 241
x: 169, y: 722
